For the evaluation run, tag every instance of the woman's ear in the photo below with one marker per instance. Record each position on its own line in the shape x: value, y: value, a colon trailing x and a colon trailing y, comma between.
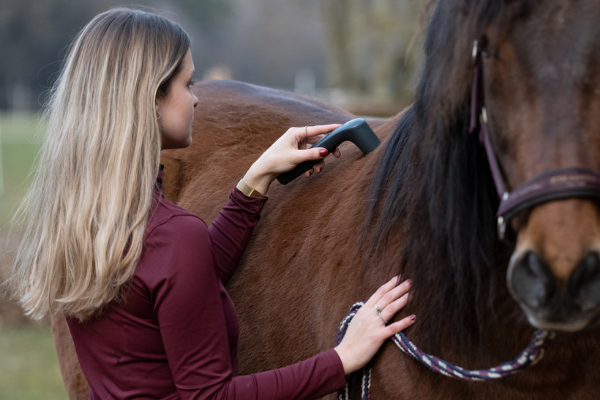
x: 157, y: 110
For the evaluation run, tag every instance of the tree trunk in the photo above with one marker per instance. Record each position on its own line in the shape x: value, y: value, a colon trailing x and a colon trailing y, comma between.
x: 368, y: 46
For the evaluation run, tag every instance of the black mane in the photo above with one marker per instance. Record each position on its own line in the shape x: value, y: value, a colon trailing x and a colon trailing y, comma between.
x: 433, y: 183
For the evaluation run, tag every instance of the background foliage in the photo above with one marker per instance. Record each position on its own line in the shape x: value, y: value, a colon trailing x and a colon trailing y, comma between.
x: 366, y: 48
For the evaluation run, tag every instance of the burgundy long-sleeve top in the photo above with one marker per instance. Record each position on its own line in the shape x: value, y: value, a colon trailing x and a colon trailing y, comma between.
x: 175, y: 334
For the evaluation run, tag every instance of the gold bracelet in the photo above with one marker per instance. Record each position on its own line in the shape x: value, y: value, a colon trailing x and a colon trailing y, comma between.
x: 248, y: 190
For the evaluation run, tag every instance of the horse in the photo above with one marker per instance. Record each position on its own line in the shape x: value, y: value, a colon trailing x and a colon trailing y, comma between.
x: 423, y: 204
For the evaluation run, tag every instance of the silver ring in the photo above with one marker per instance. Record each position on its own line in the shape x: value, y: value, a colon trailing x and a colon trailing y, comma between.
x: 378, y: 309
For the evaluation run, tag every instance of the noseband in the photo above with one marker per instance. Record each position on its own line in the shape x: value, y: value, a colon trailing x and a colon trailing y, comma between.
x: 556, y: 184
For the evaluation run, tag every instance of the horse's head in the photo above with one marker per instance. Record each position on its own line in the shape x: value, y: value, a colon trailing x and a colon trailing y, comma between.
x: 541, y: 64
x: 542, y: 87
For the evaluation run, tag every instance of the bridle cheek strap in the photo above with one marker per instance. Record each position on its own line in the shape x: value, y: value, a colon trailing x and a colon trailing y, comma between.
x: 478, y: 109
x: 558, y: 184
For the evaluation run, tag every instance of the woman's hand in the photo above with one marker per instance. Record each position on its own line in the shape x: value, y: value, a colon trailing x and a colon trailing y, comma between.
x: 292, y: 148
x: 367, y: 332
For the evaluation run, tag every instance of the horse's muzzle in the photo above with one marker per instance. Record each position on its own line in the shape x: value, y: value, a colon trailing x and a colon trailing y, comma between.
x: 550, y: 303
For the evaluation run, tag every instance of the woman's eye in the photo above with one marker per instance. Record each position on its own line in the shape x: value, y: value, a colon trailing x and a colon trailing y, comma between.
x: 192, y: 83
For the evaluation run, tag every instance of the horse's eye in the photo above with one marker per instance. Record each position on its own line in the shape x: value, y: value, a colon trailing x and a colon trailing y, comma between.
x: 490, y: 54
x: 483, y: 42
x: 486, y: 51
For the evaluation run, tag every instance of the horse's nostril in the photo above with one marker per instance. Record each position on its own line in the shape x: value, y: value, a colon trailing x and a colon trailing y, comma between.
x: 538, y: 268
x: 532, y: 280
x: 585, y: 274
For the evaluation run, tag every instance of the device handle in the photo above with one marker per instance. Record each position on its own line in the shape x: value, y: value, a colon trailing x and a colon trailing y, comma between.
x: 357, y: 131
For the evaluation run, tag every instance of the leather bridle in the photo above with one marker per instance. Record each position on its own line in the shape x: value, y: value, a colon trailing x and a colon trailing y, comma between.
x: 556, y: 184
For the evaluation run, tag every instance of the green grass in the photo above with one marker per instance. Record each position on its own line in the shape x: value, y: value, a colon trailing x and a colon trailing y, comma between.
x: 29, y: 366
x: 19, y: 127
x: 19, y: 149
x: 17, y: 159
x: 28, y: 363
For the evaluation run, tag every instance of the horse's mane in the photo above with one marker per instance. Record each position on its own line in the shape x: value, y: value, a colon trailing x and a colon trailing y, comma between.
x: 433, y: 184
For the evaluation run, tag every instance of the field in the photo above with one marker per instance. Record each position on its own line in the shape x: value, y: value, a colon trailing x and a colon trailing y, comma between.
x: 29, y: 368
x: 19, y: 144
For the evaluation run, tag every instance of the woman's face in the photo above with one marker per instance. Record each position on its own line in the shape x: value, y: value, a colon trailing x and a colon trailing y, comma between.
x: 176, y: 109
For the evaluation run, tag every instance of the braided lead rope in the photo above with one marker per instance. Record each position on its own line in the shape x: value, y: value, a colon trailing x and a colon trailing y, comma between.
x: 366, y: 382
x: 533, y: 353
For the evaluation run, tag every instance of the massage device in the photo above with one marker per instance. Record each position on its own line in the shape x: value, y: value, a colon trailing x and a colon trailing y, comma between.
x: 357, y: 131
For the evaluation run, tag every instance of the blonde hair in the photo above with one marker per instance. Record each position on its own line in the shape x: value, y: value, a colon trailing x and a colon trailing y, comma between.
x: 86, y: 212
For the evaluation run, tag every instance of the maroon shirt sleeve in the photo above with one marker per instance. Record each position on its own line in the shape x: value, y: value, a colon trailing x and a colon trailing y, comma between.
x: 231, y: 231
x: 189, y: 309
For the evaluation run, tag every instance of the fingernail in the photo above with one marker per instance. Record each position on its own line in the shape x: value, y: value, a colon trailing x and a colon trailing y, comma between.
x: 409, y: 281
x: 413, y: 318
x: 323, y: 152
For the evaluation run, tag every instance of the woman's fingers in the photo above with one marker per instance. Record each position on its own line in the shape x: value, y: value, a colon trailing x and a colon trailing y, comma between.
x: 382, y: 291
x: 319, y: 167
x: 368, y: 329
x: 311, y: 134
x: 310, y: 172
x: 308, y: 141
x: 389, y: 299
x: 394, y: 294
x: 401, y: 325
x: 305, y: 137
x: 318, y: 129
x: 391, y: 309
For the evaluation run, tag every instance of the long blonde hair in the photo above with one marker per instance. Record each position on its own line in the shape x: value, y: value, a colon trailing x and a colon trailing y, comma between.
x: 86, y: 211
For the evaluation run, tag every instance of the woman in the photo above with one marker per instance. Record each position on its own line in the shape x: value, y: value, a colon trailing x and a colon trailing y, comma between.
x: 141, y: 280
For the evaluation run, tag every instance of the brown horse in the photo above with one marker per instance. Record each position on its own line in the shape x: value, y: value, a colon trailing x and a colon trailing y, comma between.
x: 424, y: 203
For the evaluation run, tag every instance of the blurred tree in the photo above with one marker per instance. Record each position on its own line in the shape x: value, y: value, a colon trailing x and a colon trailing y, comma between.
x: 209, y: 14
x: 370, y: 46
x: 362, y: 43
x: 35, y: 35
x: 268, y: 42
x: 32, y: 33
